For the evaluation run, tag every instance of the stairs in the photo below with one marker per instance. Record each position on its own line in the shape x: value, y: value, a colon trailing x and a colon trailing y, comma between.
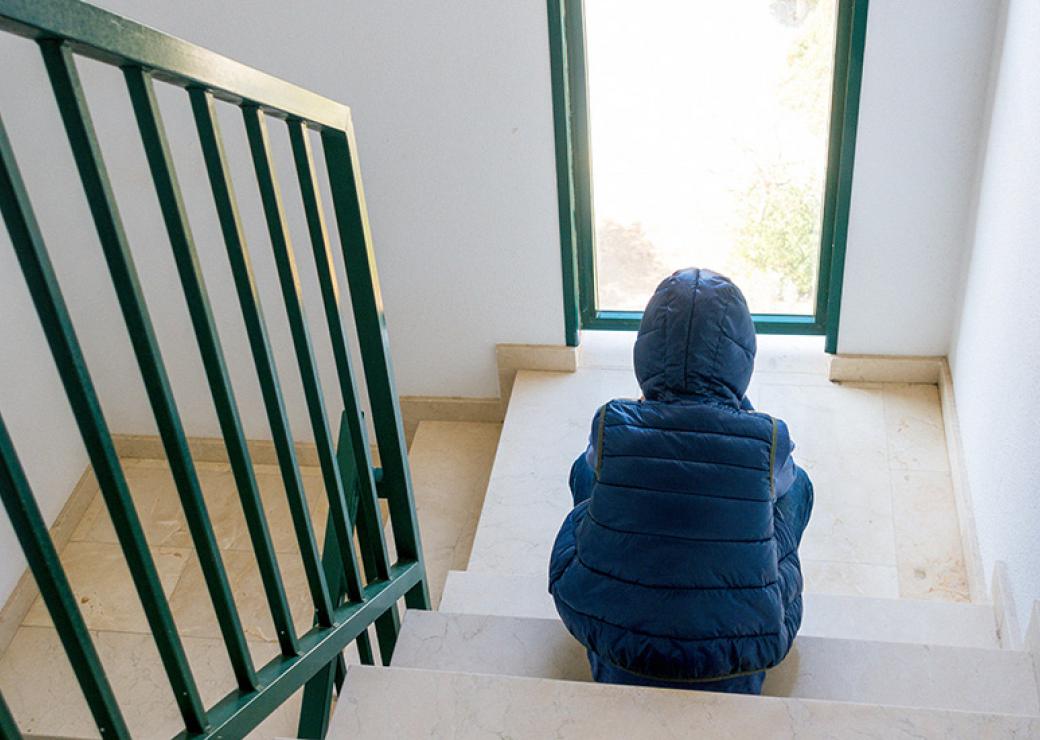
x: 825, y: 615
x: 906, y: 674
x: 495, y: 661
x: 407, y: 703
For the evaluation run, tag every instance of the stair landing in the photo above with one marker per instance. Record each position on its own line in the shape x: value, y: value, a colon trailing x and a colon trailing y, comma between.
x: 884, y: 523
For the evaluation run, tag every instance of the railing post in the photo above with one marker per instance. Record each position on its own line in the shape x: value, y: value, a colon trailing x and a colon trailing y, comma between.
x: 359, y: 257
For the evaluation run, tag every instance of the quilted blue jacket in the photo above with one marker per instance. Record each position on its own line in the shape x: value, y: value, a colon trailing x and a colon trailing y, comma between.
x: 679, y: 561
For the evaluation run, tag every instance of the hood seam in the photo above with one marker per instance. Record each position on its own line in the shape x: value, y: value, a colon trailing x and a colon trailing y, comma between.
x: 689, y: 330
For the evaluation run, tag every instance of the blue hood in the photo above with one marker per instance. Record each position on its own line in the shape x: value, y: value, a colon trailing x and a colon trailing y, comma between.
x: 697, y: 339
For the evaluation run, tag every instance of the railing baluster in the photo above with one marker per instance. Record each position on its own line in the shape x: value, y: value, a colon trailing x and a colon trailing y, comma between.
x: 86, y: 151
x: 352, y: 425
x: 72, y: 369
x: 153, y: 134
x: 356, y: 242
x: 288, y: 278
x: 353, y: 417
x: 46, y: 567
x: 8, y: 727
x: 256, y: 329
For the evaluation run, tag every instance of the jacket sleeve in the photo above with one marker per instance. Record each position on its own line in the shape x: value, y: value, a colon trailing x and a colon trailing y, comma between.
x: 583, y: 471
x: 783, y: 460
x: 794, y: 493
x: 582, y: 478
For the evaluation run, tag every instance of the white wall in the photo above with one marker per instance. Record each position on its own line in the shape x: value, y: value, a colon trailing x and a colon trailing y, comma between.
x: 453, y: 110
x: 996, y: 347
x: 921, y: 111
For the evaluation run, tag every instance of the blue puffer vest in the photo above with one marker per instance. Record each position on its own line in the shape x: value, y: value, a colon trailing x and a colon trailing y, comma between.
x: 679, y: 562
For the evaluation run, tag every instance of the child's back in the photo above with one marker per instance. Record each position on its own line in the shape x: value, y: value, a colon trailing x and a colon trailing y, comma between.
x: 679, y: 565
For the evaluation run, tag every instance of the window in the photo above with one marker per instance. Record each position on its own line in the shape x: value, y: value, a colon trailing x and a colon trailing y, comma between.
x: 710, y: 134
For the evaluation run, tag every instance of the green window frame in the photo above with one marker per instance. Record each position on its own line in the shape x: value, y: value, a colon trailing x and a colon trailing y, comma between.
x: 574, y: 178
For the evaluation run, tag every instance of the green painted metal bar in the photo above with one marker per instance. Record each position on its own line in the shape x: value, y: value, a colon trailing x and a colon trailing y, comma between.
x: 373, y: 548
x: 31, y: 530
x: 857, y: 31
x: 331, y: 562
x: 160, y: 160
x: 843, y: 17
x: 8, y: 727
x: 238, y: 713
x: 765, y: 323
x: 356, y: 242
x: 317, y: 704
x: 353, y: 451
x: 249, y: 302
x: 71, y: 365
x: 573, y: 24
x: 565, y: 201
x: 110, y: 38
x: 353, y: 416
x: 86, y: 151
x: 317, y: 692
x: 285, y: 262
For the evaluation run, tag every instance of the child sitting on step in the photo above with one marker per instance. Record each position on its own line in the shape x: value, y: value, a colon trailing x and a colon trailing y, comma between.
x: 678, y: 566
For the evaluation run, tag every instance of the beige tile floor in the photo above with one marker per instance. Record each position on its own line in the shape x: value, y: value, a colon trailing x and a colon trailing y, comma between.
x: 451, y: 464
x: 885, y: 520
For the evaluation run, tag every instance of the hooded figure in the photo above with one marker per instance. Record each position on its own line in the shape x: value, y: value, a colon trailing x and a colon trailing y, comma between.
x: 678, y: 565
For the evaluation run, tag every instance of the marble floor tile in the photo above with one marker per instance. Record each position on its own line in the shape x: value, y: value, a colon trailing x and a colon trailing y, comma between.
x: 851, y: 535
x: 913, y: 420
x: 852, y: 516
x: 35, y: 677
x: 193, y: 610
x: 838, y: 426
x: 155, y: 499
x: 276, y: 506
x: 853, y: 579
x: 162, y: 518
x: 104, y: 590
x: 928, y: 539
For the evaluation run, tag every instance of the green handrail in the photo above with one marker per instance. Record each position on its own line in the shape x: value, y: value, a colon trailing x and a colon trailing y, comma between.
x: 352, y: 581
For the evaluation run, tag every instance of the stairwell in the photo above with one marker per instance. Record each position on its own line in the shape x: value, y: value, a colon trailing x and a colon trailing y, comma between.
x: 891, y: 644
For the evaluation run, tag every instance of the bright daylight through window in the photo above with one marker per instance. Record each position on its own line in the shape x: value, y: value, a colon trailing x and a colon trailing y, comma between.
x: 709, y: 127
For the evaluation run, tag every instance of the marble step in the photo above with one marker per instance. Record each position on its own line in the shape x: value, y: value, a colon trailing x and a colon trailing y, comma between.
x: 825, y: 615
x: 391, y: 703
x: 932, y: 676
x: 545, y: 428
x: 451, y: 462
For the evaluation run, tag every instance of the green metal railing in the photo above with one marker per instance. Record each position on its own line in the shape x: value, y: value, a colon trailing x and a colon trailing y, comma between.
x: 349, y: 593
